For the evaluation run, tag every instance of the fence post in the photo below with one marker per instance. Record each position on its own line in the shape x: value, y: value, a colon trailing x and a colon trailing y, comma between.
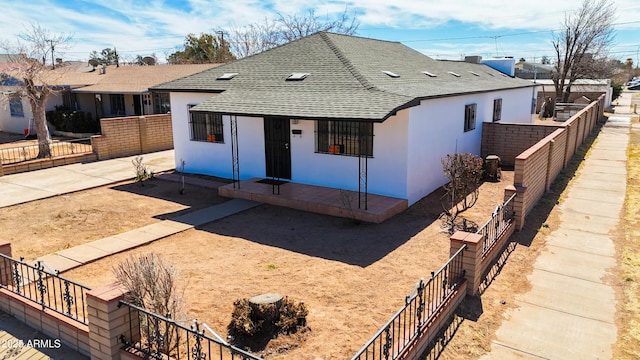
x: 471, y: 259
x: 108, y: 321
x: 5, y: 267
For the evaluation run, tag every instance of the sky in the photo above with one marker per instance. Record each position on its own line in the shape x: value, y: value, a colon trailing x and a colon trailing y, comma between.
x: 441, y: 29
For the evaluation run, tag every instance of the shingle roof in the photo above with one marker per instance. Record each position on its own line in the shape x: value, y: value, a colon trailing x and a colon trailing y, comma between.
x: 346, y: 80
x: 138, y: 79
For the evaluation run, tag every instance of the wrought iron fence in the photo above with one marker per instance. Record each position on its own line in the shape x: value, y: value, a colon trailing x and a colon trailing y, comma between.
x: 58, y: 148
x: 420, y: 306
x: 44, y: 287
x: 497, y: 224
x: 161, y: 337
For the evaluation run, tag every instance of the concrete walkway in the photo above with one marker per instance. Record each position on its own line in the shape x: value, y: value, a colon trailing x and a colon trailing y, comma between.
x: 67, y: 259
x: 569, y: 312
x: 40, y: 184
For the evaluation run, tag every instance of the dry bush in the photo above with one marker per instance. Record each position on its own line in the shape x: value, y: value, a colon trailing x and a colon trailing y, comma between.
x: 151, y: 284
x: 464, y: 171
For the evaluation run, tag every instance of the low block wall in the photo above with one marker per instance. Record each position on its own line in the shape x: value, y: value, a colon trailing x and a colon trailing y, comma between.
x: 509, y: 140
x: 46, y: 163
x: 537, y: 167
x: 71, y: 333
x: 133, y: 135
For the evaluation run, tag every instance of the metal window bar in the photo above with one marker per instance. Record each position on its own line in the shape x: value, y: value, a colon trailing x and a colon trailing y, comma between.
x: 161, y: 337
x: 352, y: 138
x: 59, y: 148
x: 497, y: 224
x: 206, y: 127
x: 420, y: 306
x: 44, y: 287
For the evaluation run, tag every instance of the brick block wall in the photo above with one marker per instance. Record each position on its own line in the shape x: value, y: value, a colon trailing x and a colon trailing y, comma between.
x: 509, y: 140
x: 133, y: 135
x: 538, y: 166
x: 558, y: 144
x: 46, y: 163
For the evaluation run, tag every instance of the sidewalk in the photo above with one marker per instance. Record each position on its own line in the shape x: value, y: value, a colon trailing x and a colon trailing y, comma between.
x: 569, y: 313
x: 19, y: 341
x: 40, y: 184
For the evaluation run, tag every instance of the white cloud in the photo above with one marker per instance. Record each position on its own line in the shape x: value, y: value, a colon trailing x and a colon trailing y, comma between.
x: 157, y: 25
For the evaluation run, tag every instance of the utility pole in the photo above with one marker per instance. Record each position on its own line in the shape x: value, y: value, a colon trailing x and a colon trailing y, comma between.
x: 53, y: 62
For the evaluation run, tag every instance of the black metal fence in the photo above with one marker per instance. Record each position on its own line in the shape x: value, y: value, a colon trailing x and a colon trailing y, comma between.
x: 59, y: 148
x: 161, y: 337
x: 44, y: 287
x: 420, y: 306
x: 500, y: 219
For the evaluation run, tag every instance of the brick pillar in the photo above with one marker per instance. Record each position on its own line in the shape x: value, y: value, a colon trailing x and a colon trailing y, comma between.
x: 5, y: 267
x: 1, y: 169
x: 107, y: 321
x: 518, y: 203
x: 471, y: 259
x: 143, y: 133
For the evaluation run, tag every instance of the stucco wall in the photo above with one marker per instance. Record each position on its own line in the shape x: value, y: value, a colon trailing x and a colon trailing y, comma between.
x: 407, y: 147
x: 14, y: 124
x: 437, y: 129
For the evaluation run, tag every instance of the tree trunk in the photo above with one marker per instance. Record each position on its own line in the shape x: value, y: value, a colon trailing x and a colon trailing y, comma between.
x: 40, y: 121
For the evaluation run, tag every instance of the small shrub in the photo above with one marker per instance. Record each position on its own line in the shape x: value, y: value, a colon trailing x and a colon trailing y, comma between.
x: 73, y: 121
x: 142, y: 171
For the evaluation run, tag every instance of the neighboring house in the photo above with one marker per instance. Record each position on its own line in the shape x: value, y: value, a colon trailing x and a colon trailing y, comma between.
x: 532, y: 70
x: 124, y: 90
x: 332, y: 110
x: 589, y: 88
x: 104, y: 92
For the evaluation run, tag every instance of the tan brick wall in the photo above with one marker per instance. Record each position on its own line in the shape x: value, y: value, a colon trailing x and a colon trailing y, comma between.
x: 537, y: 167
x: 558, y: 143
x: 54, y: 325
x: 509, y: 140
x: 133, y: 135
x: 46, y: 163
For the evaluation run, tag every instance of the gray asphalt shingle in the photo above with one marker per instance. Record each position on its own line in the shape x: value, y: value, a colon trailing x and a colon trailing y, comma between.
x: 346, y: 80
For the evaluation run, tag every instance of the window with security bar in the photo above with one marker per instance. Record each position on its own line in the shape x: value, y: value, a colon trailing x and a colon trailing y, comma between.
x: 206, y: 126
x: 353, y: 138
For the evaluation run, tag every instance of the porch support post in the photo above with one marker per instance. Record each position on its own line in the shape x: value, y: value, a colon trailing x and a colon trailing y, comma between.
x: 235, y: 158
x: 363, y: 175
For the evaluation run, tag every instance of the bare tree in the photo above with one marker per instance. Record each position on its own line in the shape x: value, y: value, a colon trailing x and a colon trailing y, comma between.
x: 29, y: 66
x: 583, y: 43
x: 261, y: 36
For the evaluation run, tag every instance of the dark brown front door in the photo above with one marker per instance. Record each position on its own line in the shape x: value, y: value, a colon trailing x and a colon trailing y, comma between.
x: 277, y: 147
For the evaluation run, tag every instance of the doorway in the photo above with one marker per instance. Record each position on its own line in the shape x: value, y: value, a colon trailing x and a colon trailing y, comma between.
x: 277, y: 147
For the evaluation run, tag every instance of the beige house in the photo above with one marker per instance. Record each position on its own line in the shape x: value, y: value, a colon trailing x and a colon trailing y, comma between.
x: 109, y: 91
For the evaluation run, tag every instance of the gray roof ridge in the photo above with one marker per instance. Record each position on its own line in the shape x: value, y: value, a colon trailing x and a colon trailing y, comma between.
x: 347, y: 63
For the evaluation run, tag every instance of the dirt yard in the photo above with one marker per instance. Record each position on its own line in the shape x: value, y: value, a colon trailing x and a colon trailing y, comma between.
x: 351, y: 277
x: 46, y: 226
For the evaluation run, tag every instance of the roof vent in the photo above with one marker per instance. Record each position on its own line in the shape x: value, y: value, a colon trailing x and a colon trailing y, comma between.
x: 474, y: 73
x: 430, y: 74
x: 391, y: 74
x: 226, y: 76
x: 297, y: 76
x: 453, y: 73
